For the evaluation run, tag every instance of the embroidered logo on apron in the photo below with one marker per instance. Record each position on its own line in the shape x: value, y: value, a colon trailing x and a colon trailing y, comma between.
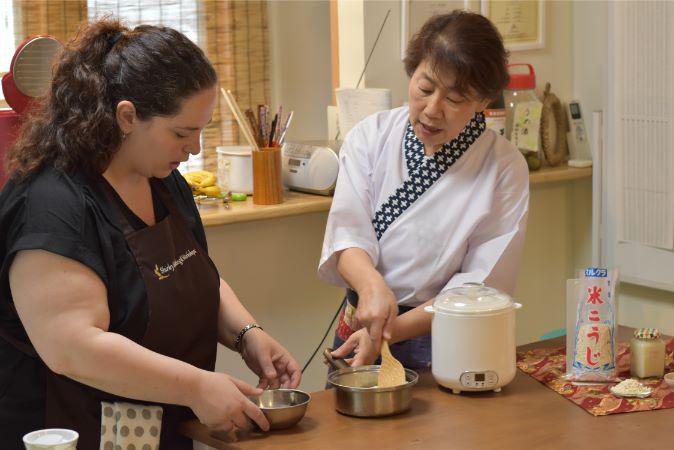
x: 424, y: 171
x: 157, y: 272
x: 164, y: 271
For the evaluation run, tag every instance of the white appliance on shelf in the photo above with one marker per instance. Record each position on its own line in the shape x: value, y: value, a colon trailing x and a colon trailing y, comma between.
x: 311, y: 166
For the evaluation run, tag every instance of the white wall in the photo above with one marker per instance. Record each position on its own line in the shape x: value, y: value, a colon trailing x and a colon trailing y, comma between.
x: 557, y: 243
x: 589, y: 34
x: 299, y: 38
x: 552, y: 64
x: 385, y: 69
x: 351, y: 31
x: 271, y: 266
x: 646, y: 307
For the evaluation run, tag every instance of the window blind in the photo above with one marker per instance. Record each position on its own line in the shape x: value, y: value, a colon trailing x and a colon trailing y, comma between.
x: 640, y: 153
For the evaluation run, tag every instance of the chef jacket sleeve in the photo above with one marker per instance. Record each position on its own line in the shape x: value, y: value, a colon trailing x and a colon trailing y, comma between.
x: 495, y: 247
x: 350, y: 218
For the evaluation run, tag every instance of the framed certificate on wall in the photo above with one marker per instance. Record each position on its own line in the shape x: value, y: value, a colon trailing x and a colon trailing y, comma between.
x: 414, y: 13
x: 521, y: 22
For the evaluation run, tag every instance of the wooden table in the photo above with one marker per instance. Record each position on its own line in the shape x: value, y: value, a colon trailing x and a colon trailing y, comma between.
x: 525, y: 415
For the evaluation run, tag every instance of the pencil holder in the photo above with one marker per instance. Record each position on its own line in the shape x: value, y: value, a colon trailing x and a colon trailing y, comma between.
x: 267, y: 178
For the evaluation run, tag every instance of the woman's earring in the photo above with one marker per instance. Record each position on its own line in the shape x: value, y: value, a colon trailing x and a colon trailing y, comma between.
x: 123, y: 136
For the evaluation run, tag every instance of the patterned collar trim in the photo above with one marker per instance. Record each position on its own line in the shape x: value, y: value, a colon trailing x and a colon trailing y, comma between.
x: 423, y: 171
x: 450, y: 152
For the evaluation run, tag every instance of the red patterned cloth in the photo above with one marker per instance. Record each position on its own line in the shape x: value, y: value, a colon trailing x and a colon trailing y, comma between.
x: 548, y: 365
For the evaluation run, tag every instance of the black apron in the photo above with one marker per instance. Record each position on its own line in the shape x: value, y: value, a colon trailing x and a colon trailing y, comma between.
x: 182, y: 286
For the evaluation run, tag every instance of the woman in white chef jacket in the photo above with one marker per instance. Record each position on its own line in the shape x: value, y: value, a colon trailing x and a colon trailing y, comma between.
x: 427, y: 198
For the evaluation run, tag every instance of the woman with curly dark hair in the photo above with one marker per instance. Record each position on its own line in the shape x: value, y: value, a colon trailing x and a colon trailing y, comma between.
x: 107, y: 292
x: 427, y: 198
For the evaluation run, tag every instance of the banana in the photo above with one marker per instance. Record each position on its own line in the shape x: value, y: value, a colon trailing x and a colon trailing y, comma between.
x: 210, y: 191
x: 191, y: 177
x: 199, y: 179
x: 208, y: 180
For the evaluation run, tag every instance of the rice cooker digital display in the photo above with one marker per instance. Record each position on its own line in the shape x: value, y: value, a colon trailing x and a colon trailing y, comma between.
x: 479, y: 380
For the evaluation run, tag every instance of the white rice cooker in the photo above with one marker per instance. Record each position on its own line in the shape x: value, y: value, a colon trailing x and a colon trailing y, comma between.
x: 473, y: 336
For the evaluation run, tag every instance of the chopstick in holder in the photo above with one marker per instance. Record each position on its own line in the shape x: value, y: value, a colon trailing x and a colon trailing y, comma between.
x: 285, y: 128
x: 264, y: 127
x: 245, y: 129
x: 279, y: 122
x: 272, y: 142
x: 253, y: 124
x: 259, y: 130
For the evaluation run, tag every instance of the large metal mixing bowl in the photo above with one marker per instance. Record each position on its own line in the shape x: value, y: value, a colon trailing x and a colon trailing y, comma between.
x: 357, y: 394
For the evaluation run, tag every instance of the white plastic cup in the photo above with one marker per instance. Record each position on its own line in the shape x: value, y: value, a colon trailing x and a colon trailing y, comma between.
x: 235, y: 169
x: 51, y: 439
x: 354, y: 105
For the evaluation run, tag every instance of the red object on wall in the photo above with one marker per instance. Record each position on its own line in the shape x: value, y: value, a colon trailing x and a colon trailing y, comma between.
x: 17, y: 100
x: 28, y: 78
x: 9, y: 129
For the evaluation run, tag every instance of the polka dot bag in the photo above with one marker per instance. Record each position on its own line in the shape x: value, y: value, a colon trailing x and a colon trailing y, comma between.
x: 127, y: 426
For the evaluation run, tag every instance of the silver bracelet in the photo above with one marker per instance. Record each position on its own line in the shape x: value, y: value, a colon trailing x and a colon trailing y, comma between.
x: 239, y: 337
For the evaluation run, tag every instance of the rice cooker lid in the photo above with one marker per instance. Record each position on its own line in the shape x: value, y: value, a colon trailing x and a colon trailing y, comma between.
x: 472, y: 298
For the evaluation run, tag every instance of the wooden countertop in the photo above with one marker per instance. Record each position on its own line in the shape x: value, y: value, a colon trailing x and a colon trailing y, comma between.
x: 526, y: 414
x: 298, y: 203
x: 559, y: 173
x: 294, y: 203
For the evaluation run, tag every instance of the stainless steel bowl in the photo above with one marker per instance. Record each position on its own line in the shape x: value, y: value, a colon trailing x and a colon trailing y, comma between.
x: 357, y: 394
x: 283, y: 408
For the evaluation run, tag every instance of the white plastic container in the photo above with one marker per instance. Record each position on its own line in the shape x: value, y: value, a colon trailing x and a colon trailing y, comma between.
x: 51, y: 439
x: 235, y: 169
x: 473, y: 338
x: 354, y: 105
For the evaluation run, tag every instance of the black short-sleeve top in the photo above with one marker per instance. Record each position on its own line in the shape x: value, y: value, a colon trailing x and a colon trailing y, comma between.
x: 74, y: 216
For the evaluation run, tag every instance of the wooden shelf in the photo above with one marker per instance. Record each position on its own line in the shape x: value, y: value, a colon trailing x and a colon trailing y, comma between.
x: 296, y: 203
x: 559, y: 173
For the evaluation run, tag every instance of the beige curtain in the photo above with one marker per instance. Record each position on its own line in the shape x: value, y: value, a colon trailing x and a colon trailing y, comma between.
x: 237, y: 44
x: 60, y: 19
x: 233, y: 34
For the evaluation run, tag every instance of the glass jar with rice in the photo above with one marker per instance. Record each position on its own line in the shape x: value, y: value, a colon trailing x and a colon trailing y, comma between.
x: 648, y: 353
